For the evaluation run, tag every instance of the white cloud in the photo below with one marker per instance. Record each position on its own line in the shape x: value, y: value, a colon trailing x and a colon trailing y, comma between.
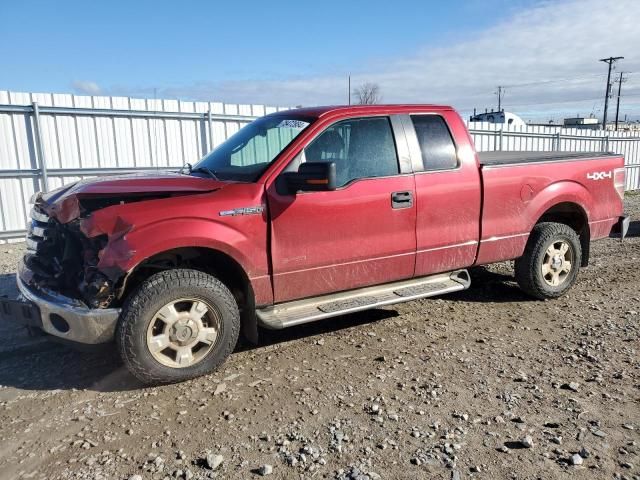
x: 86, y: 87
x: 556, y: 42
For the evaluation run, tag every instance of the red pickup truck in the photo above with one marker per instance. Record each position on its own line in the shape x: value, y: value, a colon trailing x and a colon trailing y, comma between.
x: 299, y: 216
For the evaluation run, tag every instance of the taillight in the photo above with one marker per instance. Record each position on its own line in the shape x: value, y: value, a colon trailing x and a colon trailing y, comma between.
x: 619, y: 177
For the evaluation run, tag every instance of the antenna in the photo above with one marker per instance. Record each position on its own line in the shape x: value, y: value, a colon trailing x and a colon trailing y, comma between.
x: 500, y: 93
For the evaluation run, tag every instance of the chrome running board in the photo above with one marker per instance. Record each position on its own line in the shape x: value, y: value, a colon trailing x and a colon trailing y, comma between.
x: 288, y: 314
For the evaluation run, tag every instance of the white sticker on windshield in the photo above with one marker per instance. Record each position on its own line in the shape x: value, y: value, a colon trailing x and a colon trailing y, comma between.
x: 297, y: 124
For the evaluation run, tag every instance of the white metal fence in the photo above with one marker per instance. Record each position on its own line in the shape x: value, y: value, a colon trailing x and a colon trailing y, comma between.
x: 47, y: 140
x: 537, y: 138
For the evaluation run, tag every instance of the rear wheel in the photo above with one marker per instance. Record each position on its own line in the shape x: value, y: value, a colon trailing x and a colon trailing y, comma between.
x: 178, y: 324
x: 550, y: 263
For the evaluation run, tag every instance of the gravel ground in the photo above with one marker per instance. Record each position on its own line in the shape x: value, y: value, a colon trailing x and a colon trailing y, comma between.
x: 483, y: 384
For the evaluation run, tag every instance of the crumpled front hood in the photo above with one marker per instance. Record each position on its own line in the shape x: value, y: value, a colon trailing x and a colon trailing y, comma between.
x: 64, y: 203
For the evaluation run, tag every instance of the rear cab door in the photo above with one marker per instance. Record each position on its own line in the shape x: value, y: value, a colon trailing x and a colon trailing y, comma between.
x: 448, y: 191
x: 362, y: 233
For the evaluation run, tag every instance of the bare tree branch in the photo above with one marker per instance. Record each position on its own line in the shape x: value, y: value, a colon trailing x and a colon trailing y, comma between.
x: 368, y: 94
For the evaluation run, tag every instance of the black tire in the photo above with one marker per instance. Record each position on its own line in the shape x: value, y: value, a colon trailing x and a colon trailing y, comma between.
x: 152, y: 295
x: 529, y: 267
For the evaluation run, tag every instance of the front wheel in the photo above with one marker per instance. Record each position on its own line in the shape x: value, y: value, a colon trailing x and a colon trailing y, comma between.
x: 178, y: 324
x: 550, y: 263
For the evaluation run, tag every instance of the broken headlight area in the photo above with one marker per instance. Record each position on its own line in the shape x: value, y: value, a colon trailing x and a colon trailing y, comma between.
x: 67, y: 244
x: 61, y: 258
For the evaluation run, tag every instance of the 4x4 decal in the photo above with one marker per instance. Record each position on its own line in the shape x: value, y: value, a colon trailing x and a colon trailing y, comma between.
x: 599, y: 175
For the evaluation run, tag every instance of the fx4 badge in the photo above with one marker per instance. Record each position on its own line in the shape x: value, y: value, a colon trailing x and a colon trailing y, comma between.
x: 599, y: 175
x: 242, y: 211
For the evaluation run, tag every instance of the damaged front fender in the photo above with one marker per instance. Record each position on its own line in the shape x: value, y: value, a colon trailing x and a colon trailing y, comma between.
x: 77, y: 243
x: 113, y: 258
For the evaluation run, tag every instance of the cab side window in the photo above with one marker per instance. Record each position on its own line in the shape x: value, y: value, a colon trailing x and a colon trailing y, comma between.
x: 436, y: 144
x: 360, y: 148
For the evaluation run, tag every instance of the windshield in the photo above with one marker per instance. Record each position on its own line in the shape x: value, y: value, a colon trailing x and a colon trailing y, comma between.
x: 246, y: 155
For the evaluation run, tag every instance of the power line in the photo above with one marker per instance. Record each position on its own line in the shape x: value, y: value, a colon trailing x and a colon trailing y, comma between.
x: 481, y: 93
x: 501, y: 89
x: 536, y: 103
x: 555, y: 80
x: 551, y: 102
x: 610, y: 61
x: 558, y: 80
x: 514, y: 103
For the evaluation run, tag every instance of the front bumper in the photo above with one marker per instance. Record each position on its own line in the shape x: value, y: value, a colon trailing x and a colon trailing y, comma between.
x: 68, y: 318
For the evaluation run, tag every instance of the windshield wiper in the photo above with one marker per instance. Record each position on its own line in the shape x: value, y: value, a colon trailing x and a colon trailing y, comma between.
x: 188, y: 166
x: 206, y: 170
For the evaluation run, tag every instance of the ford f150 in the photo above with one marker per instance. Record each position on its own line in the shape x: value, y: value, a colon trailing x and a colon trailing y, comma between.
x: 299, y: 216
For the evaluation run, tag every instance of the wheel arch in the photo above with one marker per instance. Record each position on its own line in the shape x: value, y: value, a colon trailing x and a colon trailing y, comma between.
x: 208, y: 260
x: 574, y: 216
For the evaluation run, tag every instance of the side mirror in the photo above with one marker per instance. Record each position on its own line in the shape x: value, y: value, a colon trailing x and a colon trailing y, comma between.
x: 311, y: 177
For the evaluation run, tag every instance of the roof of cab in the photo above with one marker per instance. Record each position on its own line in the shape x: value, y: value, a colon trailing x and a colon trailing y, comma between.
x: 328, y: 110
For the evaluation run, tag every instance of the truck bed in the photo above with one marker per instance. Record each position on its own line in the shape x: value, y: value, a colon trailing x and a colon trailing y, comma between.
x: 519, y: 187
x: 511, y: 158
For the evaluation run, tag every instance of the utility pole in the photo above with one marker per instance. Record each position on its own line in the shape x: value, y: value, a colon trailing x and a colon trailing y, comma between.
x: 349, y: 90
x: 610, y: 61
x: 620, y: 80
x: 500, y: 93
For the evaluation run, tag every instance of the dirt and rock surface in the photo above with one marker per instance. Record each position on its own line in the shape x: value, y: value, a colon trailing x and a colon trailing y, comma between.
x: 483, y: 384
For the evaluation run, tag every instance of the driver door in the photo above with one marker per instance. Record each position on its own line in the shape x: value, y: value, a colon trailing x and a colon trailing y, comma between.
x: 362, y: 233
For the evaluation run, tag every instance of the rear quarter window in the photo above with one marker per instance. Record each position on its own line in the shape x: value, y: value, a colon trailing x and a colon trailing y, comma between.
x: 436, y: 144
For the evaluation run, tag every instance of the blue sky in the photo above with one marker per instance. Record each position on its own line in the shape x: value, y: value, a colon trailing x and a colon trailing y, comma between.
x: 300, y: 52
x: 142, y: 42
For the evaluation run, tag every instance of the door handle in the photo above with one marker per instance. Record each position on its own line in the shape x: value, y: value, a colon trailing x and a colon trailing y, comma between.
x: 402, y: 199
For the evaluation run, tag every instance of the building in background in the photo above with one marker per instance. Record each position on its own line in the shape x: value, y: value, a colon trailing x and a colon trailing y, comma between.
x: 584, y: 123
x: 624, y: 126
x: 499, y: 116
